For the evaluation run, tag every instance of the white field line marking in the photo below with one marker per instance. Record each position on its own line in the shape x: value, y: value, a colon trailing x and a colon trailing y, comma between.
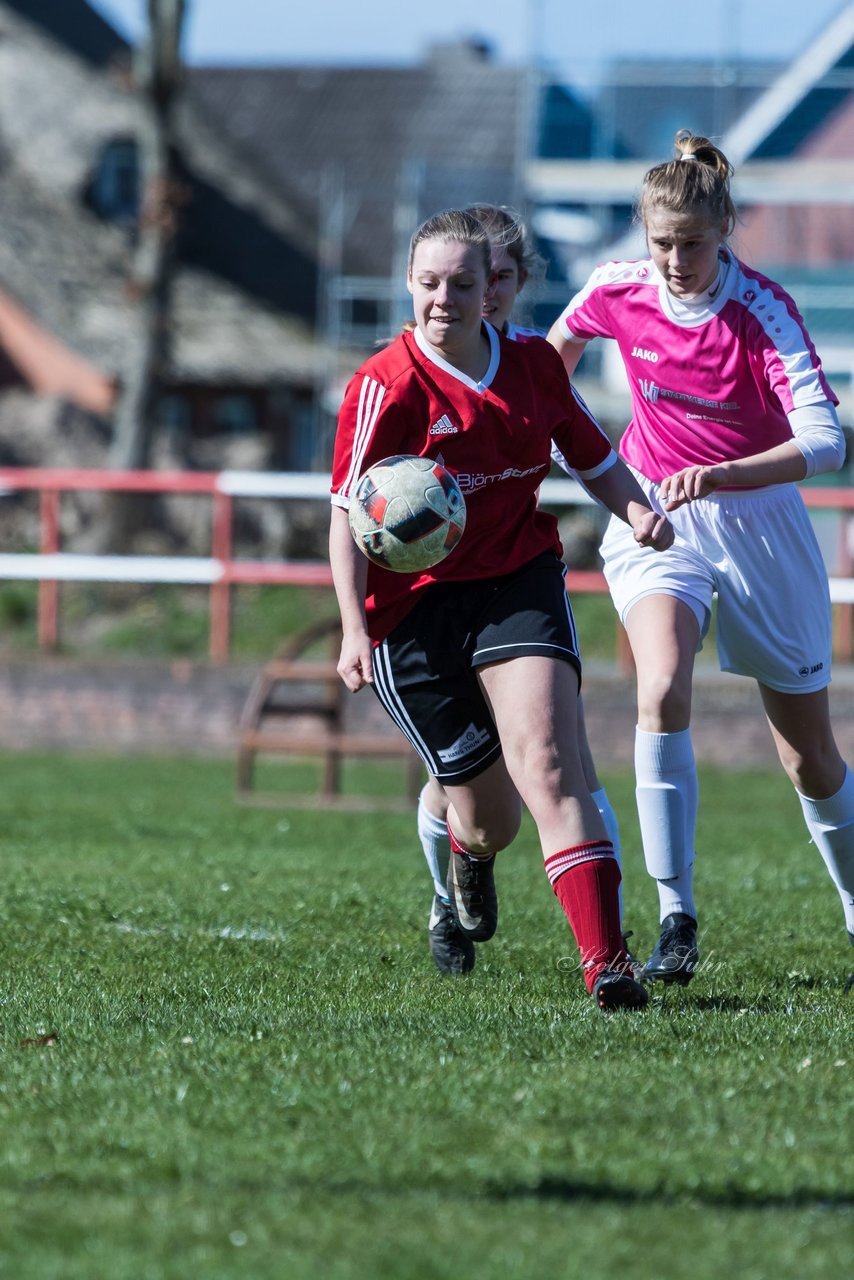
x: 245, y: 933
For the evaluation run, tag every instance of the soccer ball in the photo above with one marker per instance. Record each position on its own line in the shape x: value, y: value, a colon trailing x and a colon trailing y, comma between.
x: 407, y: 513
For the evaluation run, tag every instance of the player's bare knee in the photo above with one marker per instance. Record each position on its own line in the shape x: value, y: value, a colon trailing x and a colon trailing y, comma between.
x: 664, y: 703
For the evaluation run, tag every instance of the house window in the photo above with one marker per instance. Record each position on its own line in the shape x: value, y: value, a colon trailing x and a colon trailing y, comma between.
x: 175, y: 415
x: 235, y: 415
x: 115, y: 186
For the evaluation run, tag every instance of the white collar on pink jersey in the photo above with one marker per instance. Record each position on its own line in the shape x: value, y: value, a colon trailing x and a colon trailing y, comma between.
x: 494, y: 360
x: 690, y: 312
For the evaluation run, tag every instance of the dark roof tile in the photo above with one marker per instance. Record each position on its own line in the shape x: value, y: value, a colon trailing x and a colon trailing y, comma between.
x: 419, y: 138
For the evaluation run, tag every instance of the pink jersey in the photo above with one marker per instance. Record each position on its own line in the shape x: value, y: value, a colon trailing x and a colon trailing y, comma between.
x: 709, y: 382
x: 494, y: 436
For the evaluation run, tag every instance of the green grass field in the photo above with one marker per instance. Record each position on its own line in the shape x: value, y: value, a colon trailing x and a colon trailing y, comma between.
x: 226, y: 1052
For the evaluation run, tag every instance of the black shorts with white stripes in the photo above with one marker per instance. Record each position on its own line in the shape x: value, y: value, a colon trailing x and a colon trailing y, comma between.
x: 425, y: 671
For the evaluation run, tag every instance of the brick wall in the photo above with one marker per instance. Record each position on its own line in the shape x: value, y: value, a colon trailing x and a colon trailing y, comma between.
x: 121, y: 706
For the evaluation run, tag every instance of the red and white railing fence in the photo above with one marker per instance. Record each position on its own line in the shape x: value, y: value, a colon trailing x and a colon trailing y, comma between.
x: 220, y: 571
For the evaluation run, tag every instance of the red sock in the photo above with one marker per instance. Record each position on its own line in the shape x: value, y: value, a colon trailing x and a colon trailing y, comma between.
x: 455, y: 844
x: 586, y: 881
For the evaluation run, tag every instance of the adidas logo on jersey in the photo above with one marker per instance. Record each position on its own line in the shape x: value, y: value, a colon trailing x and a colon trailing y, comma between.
x: 642, y: 354
x: 444, y: 427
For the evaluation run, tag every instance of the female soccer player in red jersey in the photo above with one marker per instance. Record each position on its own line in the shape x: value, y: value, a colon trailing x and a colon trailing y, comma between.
x: 513, y: 260
x: 730, y: 408
x: 477, y: 660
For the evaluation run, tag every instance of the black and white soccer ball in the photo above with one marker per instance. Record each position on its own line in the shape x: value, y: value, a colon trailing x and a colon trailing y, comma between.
x: 407, y: 513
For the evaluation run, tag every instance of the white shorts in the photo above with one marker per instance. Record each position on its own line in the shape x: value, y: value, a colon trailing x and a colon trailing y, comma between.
x: 757, y: 550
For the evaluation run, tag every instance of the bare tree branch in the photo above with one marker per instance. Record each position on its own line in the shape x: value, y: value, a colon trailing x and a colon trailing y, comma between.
x: 159, y: 79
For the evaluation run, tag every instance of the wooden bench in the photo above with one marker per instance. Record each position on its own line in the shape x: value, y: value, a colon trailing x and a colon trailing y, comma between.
x: 296, y: 707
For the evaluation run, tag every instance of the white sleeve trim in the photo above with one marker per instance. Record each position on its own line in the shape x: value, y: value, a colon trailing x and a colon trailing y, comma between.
x: 563, y: 324
x: 818, y: 435
x: 605, y: 465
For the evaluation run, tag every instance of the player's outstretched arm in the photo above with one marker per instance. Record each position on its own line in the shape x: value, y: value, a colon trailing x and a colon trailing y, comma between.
x: 619, y: 491
x: 784, y: 464
x: 350, y: 575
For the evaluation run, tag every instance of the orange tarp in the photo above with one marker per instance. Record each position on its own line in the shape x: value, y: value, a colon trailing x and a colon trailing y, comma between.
x: 50, y: 367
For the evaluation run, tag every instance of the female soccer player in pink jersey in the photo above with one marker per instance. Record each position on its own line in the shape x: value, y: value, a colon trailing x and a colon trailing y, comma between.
x: 730, y: 408
x: 513, y: 260
x: 477, y: 660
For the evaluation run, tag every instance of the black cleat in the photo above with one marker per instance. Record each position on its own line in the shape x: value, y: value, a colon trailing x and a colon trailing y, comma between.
x: 616, y: 989
x: 471, y: 889
x: 449, y: 946
x: 675, y: 957
x: 849, y: 985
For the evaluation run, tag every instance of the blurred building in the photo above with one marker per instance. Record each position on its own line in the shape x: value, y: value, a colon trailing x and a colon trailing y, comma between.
x: 303, y: 186
x: 789, y: 132
x: 372, y: 151
x: 245, y: 360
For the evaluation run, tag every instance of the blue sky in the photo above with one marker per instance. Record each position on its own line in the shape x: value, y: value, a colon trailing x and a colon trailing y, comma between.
x: 575, y: 37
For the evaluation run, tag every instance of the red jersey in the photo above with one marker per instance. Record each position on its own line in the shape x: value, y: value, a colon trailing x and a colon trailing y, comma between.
x: 495, y: 436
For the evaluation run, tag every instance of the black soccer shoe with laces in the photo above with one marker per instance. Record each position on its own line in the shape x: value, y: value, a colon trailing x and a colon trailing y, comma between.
x: 675, y: 957
x: 449, y: 946
x: 616, y: 989
x: 471, y: 889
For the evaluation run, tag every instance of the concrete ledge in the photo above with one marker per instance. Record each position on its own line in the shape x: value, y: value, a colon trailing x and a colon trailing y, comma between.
x: 64, y: 703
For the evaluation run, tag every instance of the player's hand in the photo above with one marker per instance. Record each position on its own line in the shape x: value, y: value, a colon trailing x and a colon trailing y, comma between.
x: 355, y: 665
x: 653, y: 530
x: 690, y: 483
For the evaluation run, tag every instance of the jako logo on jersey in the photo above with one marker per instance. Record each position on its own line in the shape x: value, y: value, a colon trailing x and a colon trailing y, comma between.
x: 643, y: 354
x: 467, y: 742
x: 444, y: 427
x: 810, y: 671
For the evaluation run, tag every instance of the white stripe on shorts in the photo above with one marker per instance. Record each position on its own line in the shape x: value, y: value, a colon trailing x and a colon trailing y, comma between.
x: 388, y: 696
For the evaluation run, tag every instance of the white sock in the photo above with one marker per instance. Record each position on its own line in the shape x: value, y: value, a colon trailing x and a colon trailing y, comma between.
x: 612, y: 826
x: 433, y: 834
x: 667, y: 795
x: 677, y: 894
x: 831, y: 824
x: 603, y: 804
